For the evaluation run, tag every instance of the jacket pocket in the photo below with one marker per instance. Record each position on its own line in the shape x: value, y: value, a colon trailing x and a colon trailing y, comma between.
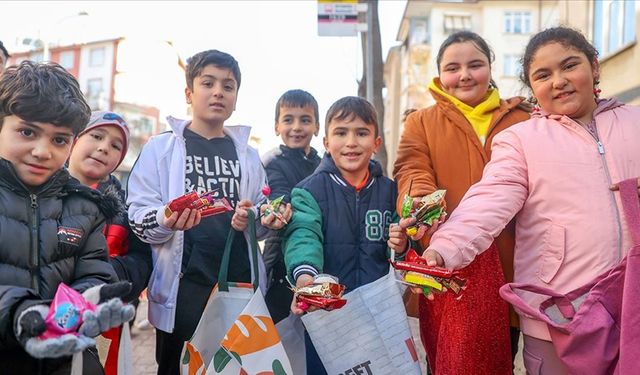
x: 552, y: 253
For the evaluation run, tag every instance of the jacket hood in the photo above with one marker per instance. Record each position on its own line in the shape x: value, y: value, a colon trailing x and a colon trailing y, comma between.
x: 327, y: 165
x: 239, y: 134
x: 603, y: 105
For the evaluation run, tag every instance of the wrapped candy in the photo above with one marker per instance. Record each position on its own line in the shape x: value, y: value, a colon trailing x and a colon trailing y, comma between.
x: 325, y: 293
x: 428, y: 210
x: 418, y: 273
x: 65, y: 312
x: 205, y: 203
x: 273, y: 205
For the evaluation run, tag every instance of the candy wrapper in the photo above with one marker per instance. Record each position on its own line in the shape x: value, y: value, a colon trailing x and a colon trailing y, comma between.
x: 274, y: 205
x: 325, y: 293
x: 416, y: 272
x: 429, y: 209
x: 65, y: 312
x: 205, y: 203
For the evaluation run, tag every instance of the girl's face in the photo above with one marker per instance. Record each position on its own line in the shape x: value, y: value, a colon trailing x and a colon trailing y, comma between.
x: 465, y: 73
x: 562, y: 81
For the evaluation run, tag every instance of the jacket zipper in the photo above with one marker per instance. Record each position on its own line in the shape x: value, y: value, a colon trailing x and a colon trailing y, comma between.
x: 35, y: 240
x: 358, y: 236
x: 596, y: 137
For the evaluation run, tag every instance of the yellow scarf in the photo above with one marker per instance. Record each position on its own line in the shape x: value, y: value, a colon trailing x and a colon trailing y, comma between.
x: 479, y: 116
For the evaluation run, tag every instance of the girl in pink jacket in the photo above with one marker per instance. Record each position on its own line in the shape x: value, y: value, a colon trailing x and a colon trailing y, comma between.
x: 555, y: 174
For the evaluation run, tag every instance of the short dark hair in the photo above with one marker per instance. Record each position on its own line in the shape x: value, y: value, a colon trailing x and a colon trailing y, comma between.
x: 349, y: 108
x: 566, y: 36
x: 4, y: 50
x: 467, y: 36
x: 200, y: 60
x: 297, y: 98
x: 43, y: 92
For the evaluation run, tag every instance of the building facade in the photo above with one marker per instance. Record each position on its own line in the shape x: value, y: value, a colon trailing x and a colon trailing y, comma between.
x: 142, y: 80
x: 613, y: 27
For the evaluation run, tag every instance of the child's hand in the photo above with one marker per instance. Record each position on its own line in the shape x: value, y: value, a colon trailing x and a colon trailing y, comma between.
x: 422, y: 229
x: 183, y: 221
x: 616, y: 187
x: 398, y: 240
x: 273, y: 221
x: 303, y: 280
x: 240, y: 219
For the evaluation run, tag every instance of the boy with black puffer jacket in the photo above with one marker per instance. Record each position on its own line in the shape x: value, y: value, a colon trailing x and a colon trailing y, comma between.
x: 343, y: 211
x: 99, y: 149
x: 50, y: 225
x: 297, y: 123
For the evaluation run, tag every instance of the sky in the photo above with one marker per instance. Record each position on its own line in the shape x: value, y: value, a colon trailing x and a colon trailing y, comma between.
x: 275, y: 43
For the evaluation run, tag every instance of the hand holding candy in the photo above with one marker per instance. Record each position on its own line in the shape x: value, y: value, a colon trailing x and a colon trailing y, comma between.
x: 422, y: 216
x: 50, y: 332
x: 302, y: 281
x: 272, y: 214
x: 324, y: 292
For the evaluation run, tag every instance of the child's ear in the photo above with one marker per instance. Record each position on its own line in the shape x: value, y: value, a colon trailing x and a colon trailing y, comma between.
x: 276, y: 128
x: 315, y: 133
x: 187, y: 95
x: 325, y: 141
x: 377, y: 143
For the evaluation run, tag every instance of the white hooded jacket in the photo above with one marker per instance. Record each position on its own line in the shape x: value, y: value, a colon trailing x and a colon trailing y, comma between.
x: 158, y: 177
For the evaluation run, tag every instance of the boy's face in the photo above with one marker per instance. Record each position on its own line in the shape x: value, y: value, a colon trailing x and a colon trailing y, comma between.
x: 37, y: 150
x: 351, y: 143
x: 214, y: 94
x: 296, y: 126
x: 96, y: 153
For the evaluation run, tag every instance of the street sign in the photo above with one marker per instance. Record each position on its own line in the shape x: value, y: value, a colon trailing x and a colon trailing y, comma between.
x: 337, y: 17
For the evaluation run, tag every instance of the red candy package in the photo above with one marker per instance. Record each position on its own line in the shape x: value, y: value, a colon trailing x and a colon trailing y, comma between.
x: 65, y: 312
x: 205, y: 203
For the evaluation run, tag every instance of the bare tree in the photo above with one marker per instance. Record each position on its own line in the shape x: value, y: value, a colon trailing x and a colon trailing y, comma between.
x: 378, y: 78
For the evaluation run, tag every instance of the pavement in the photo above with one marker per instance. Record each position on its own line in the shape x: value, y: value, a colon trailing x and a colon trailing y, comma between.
x: 144, y: 346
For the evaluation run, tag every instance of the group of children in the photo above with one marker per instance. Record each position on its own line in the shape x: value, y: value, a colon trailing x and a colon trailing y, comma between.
x: 338, y: 209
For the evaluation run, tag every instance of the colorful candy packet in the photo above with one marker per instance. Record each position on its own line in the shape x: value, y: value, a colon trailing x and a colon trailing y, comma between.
x: 65, y: 312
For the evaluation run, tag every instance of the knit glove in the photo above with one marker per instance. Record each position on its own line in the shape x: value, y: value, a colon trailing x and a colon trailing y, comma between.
x: 30, y: 325
x: 110, y: 311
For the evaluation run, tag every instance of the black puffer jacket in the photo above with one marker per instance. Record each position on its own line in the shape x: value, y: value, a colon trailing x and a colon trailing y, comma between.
x: 47, y: 236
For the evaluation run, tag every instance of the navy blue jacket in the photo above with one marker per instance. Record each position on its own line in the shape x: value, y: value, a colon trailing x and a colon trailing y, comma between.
x: 339, y: 231
x: 285, y: 168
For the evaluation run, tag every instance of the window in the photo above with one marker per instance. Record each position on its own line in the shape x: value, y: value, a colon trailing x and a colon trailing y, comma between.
x: 517, y: 22
x: 94, y: 93
x: 419, y: 31
x: 614, y: 25
x: 96, y: 57
x: 67, y: 59
x: 511, y: 66
x: 456, y: 22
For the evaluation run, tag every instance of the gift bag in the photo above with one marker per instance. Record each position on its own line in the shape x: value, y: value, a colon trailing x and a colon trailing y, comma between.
x: 252, y: 344
x: 369, y: 335
x: 595, y: 329
x: 291, y: 331
x: 226, y: 302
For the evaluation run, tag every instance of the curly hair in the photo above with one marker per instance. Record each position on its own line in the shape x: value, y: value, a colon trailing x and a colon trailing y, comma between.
x: 566, y: 36
x: 43, y: 92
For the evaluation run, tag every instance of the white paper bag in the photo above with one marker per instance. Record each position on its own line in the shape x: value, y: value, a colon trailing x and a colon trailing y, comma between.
x: 369, y: 335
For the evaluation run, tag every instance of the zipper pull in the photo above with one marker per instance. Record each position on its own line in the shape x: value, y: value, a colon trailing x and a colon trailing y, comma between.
x: 600, y: 148
x: 34, y: 201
